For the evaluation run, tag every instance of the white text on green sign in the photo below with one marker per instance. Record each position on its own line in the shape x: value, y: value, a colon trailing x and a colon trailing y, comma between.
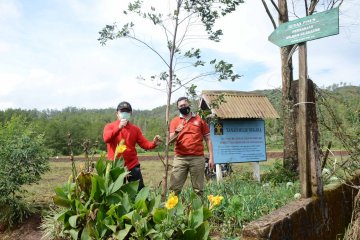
x: 306, y: 29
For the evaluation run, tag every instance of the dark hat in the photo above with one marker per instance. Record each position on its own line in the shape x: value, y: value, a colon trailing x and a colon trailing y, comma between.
x: 123, y: 106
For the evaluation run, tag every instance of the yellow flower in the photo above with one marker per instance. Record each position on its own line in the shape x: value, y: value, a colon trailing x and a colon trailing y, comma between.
x: 215, y: 200
x: 172, y: 201
x: 120, y: 148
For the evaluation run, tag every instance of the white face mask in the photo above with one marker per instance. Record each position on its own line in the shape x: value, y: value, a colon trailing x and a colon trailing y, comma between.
x: 124, y: 115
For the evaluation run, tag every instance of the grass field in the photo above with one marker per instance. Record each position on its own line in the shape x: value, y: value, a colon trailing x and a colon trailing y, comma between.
x: 152, y: 171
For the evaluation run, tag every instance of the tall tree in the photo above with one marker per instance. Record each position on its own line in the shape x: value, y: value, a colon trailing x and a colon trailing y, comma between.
x: 180, y: 27
x: 281, y: 8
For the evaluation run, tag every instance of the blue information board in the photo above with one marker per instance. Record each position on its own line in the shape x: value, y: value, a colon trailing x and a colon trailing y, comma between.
x: 238, y: 141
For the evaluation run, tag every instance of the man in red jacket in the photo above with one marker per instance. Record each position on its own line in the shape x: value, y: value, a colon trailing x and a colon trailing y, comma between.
x: 123, y: 130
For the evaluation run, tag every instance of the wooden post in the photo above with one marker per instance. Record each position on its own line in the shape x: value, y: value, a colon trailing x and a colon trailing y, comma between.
x: 314, y: 147
x: 218, y: 172
x: 256, y: 168
x: 302, y: 126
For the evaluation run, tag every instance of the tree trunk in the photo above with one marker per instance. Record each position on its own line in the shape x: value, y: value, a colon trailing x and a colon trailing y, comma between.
x: 290, y: 143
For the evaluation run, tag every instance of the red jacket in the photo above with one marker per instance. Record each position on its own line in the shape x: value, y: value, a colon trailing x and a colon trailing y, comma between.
x: 132, y: 135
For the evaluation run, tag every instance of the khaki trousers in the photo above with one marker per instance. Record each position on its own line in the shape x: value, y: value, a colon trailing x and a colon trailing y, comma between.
x: 182, y: 165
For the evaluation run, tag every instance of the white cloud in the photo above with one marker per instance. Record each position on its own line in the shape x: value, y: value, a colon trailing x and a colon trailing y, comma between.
x: 9, y: 10
x: 50, y: 56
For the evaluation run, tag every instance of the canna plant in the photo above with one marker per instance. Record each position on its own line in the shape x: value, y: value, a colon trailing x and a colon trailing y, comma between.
x: 99, y: 205
x: 182, y: 221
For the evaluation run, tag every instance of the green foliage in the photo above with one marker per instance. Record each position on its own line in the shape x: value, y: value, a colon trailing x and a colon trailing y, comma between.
x: 342, y: 101
x: 245, y: 201
x: 23, y: 158
x: 14, y: 212
x: 50, y: 227
x: 278, y: 174
x: 102, y: 206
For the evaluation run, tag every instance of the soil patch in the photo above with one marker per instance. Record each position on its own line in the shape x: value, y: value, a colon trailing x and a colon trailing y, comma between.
x: 29, y: 230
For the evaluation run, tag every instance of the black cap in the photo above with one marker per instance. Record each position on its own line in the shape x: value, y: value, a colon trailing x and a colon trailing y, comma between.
x: 124, y: 106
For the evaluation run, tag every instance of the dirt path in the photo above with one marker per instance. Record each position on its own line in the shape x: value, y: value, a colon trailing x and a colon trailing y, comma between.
x: 270, y: 154
x: 27, y: 231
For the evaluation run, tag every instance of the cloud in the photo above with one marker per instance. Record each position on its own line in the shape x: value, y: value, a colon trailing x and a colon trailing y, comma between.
x: 50, y: 56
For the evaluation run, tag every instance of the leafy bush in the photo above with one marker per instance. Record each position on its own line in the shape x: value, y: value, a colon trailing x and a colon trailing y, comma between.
x: 278, y: 174
x: 23, y: 158
x: 101, y: 206
x: 245, y: 201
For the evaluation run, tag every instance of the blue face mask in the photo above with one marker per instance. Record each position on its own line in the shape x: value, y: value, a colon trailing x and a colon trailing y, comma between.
x: 124, y: 115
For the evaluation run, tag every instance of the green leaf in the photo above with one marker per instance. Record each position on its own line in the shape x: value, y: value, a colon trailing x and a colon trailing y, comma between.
x: 113, y: 198
x: 160, y: 215
x: 190, y: 234
x: 60, y: 201
x: 60, y: 216
x: 111, y: 210
x: 196, y: 202
x: 95, y: 189
x: 142, y: 195
x: 60, y: 192
x: 85, y: 234
x: 112, y: 227
x: 115, y: 172
x: 124, y: 232
x: 207, y: 213
x: 117, y: 184
x: 100, y: 166
x: 202, y: 232
x: 128, y: 216
x: 79, y: 206
x: 131, y: 188
x: 73, y: 219
x: 74, y: 233
x: 196, y: 218
x: 118, y: 163
x: 141, y: 206
x: 154, y: 204
x: 126, y: 202
x: 150, y: 232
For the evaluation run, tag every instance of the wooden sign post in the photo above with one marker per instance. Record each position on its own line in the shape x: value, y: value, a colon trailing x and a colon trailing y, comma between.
x: 299, y: 32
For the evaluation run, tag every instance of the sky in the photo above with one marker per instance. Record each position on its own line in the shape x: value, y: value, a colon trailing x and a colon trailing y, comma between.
x: 50, y: 57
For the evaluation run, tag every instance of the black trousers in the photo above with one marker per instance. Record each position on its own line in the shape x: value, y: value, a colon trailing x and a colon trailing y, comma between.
x: 134, y: 175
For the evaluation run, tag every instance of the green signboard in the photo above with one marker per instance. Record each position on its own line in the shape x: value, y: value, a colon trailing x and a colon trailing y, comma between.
x: 306, y: 29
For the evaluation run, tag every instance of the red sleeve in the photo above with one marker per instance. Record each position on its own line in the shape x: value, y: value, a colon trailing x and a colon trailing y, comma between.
x: 110, y: 131
x: 173, y: 125
x: 143, y: 142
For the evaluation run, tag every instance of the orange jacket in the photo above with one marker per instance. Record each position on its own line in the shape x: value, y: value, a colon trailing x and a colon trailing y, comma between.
x: 190, y: 140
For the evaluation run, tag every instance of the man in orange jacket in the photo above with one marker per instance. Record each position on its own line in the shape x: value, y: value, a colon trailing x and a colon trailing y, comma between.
x: 189, y: 131
x: 123, y: 130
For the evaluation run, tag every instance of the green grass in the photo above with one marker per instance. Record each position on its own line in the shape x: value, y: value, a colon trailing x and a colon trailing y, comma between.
x: 152, y: 171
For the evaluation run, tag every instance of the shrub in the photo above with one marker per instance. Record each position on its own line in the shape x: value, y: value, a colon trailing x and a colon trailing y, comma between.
x: 23, y: 158
x: 278, y: 174
x: 101, y: 206
x: 245, y: 201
